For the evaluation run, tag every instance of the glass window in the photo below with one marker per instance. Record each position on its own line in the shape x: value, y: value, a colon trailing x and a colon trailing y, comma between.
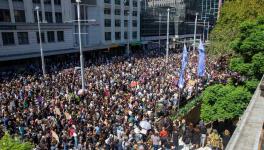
x: 17, y: 0
x: 134, y: 23
x: 125, y: 35
x: 42, y: 37
x: 134, y: 3
x: 5, y: 15
x: 51, y: 37
x: 134, y: 13
x: 134, y: 35
x: 127, y: 2
x: 8, y: 38
x: 22, y: 38
x: 60, y: 36
x: 125, y: 23
x: 58, y: 16
x: 117, y: 23
x: 47, y: 1
x: 107, y: 11
x: 107, y: 22
x: 48, y: 16
x: 107, y: 1
x: 57, y: 2
x: 36, y: 18
x: 107, y: 36
x: 36, y: 1
x: 117, y: 2
x: 117, y: 11
x: 19, y: 15
x: 117, y: 35
x: 126, y: 12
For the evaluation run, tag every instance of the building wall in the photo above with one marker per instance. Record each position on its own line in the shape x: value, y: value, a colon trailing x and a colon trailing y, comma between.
x: 29, y: 25
x: 93, y: 33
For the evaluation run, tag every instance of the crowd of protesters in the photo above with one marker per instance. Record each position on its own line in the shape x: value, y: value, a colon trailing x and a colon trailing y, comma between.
x: 126, y: 105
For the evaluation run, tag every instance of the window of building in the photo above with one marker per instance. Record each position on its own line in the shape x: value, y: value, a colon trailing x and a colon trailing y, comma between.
x: 22, y: 38
x: 47, y: 1
x: 125, y: 23
x: 125, y: 35
x: 117, y: 2
x: 58, y: 16
x: 48, y: 16
x: 134, y: 34
x: 134, y: 23
x: 57, y: 2
x: 117, y: 23
x: 107, y: 36
x: 60, y: 36
x: 117, y: 35
x: 17, y: 0
x: 127, y: 3
x: 107, y: 22
x: 134, y: 13
x: 107, y: 1
x: 51, y: 36
x: 42, y: 37
x: 8, y: 38
x: 36, y: 18
x: 117, y: 12
x: 126, y: 12
x: 36, y: 1
x: 19, y: 15
x: 5, y: 15
x: 107, y: 11
x: 134, y: 3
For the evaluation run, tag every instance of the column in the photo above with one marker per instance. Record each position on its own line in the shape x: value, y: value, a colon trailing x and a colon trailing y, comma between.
x: 138, y: 19
x: 122, y: 21
x: 113, y: 21
x: 101, y: 20
x: 53, y: 11
x: 42, y: 10
x: 11, y: 9
x: 130, y: 20
x: 29, y: 11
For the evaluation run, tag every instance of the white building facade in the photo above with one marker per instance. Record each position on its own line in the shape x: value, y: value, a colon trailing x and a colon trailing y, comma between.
x: 19, y: 31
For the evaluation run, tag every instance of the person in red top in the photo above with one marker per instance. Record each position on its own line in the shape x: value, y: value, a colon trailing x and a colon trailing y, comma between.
x: 163, y: 136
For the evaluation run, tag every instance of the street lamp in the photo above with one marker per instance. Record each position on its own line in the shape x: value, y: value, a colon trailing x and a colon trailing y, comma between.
x: 80, y: 43
x: 194, y: 37
x: 159, y: 29
x: 167, y: 44
x: 40, y: 43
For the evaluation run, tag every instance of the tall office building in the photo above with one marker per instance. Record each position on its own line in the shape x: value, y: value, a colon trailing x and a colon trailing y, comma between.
x: 114, y: 22
x: 209, y: 10
x: 182, y: 17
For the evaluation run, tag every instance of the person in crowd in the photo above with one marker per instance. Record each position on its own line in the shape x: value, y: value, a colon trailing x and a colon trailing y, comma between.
x: 120, y: 93
x: 226, y: 137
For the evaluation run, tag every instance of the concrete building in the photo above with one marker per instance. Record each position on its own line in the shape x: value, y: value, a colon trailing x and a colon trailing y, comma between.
x: 19, y: 32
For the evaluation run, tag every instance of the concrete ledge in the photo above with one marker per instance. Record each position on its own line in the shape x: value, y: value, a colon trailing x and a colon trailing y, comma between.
x: 249, y: 128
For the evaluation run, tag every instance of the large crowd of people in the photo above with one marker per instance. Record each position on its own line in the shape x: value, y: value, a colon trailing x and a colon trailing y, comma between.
x: 126, y: 105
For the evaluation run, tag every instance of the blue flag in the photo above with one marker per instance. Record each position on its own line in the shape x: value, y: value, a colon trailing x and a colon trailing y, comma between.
x: 201, y: 63
x: 184, y: 64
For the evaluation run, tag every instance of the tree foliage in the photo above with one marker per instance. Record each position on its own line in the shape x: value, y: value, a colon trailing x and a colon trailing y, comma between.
x: 249, y: 46
x: 8, y: 143
x: 233, y: 13
x: 220, y: 102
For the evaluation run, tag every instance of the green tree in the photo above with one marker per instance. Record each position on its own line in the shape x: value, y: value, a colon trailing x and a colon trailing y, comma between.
x: 221, y: 102
x: 8, y: 143
x: 233, y: 13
